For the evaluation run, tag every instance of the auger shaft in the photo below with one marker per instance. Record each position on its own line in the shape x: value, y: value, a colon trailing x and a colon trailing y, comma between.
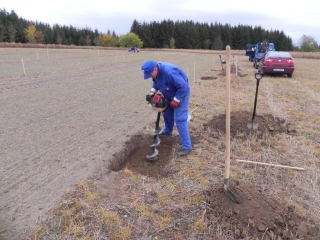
x: 156, y: 140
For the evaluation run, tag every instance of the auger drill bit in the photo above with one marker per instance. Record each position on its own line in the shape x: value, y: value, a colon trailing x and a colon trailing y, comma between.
x: 156, y: 141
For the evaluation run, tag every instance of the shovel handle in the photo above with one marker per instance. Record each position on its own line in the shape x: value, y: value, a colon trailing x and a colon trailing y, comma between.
x: 259, y: 75
x: 255, y: 100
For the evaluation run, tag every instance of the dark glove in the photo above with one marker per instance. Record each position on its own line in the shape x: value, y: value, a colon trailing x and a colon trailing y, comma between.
x: 149, y: 96
x: 174, y: 104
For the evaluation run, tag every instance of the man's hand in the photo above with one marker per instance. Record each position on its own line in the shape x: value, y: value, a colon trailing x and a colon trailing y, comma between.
x: 150, y: 96
x: 174, y: 104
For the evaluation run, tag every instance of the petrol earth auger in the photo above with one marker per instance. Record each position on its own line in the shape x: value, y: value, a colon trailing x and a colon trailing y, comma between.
x: 157, y: 102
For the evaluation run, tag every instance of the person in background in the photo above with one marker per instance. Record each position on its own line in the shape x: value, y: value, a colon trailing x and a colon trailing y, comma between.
x: 172, y: 82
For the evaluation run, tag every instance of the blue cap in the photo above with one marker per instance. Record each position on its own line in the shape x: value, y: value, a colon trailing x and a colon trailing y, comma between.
x: 148, y: 67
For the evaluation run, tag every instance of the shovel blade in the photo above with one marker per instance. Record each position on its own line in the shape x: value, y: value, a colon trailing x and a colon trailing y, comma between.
x: 154, y: 155
x: 255, y: 126
x: 252, y: 125
x: 229, y: 193
x: 156, y: 142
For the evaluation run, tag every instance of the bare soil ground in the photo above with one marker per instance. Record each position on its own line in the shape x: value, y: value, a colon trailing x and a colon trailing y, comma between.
x: 63, y: 114
x: 120, y: 195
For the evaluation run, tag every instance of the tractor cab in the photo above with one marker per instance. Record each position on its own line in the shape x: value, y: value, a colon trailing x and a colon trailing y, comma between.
x: 250, y: 51
x: 271, y: 47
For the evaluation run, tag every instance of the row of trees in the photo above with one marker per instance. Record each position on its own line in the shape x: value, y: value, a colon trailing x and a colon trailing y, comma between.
x: 164, y: 34
x: 16, y: 29
x: 193, y: 35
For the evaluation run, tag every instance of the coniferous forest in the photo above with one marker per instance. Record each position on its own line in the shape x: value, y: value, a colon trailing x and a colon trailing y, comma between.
x: 164, y: 34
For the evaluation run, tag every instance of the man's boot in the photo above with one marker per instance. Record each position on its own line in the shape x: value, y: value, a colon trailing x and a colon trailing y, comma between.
x: 184, y: 152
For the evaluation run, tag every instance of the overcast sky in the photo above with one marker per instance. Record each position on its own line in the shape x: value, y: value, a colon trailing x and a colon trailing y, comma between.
x: 294, y: 17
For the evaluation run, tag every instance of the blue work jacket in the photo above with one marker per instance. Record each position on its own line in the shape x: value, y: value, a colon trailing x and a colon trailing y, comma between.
x: 171, y: 82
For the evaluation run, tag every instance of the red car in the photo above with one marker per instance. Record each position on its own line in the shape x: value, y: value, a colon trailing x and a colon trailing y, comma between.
x: 276, y: 62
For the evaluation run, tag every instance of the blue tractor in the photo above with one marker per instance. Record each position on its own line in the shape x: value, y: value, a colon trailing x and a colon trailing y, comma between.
x: 250, y: 51
x: 256, y: 52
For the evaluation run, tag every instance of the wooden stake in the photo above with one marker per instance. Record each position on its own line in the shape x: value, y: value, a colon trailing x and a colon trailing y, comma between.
x: 24, y: 71
x: 227, y: 160
x: 271, y: 164
x: 194, y: 109
x: 236, y: 66
x: 194, y: 72
x: 214, y: 58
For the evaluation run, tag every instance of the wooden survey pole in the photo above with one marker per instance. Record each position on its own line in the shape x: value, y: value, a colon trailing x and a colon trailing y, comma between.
x: 24, y: 70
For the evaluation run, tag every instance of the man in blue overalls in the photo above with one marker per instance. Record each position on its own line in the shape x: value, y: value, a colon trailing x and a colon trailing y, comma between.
x: 172, y: 82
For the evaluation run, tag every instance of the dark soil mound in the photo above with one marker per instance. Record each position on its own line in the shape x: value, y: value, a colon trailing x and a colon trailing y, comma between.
x: 267, y: 125
x: 256, y: 215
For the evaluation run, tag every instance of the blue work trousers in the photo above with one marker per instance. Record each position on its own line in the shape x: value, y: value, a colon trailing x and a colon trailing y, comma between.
x: 179, y: 115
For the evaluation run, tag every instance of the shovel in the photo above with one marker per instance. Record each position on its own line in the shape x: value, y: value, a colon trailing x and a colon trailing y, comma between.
x: 156, y: 141
x: 190, y: 114
x: 253, y: 125
x: 226, y: 189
